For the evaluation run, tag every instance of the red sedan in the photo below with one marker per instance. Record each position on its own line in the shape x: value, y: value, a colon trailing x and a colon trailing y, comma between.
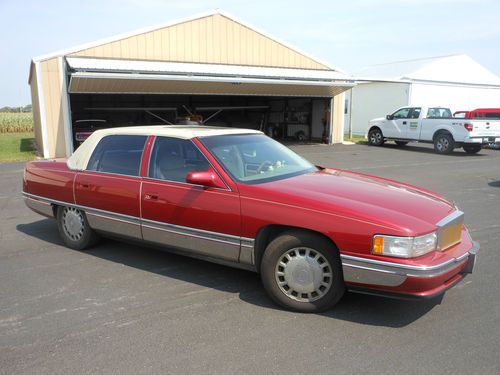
x: 237, y: 197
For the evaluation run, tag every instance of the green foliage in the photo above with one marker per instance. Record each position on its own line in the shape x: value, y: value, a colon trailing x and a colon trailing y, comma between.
x: 16, y: 122
x: 17, y: 147
x: 26, y: 108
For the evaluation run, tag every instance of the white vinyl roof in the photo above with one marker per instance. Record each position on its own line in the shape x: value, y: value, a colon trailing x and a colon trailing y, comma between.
x: 80, y: 158
x: 87, y: 66
x: 460, y: 69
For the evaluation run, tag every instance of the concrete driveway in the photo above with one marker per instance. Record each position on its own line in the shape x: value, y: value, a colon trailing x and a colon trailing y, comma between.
x: 120, y: 308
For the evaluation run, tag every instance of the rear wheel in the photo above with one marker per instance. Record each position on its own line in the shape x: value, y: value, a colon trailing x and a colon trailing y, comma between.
x: 444, y: 143
x: 401, y: 143
x: 302, y: 271
x: 375, y: 137
x: 472, y: 149
x: 74, y: 228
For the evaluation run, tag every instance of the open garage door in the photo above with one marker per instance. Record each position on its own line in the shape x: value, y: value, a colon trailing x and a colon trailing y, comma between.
x: 287, y: 104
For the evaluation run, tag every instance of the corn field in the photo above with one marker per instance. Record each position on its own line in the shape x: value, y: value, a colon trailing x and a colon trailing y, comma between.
x: 16, y: 122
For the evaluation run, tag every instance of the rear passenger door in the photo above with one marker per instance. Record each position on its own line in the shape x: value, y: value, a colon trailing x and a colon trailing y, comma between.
x: 109, y: 189
x: 412, y: 126
x: 202, y: 220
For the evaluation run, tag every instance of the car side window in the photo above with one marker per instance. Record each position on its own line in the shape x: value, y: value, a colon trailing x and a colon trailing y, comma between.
x: 172, y: 159
x: 415, y: 113
x: 119, y: 154
x: 402, y: 113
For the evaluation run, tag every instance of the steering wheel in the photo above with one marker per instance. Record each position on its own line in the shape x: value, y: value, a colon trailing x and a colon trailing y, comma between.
x: 263, y: 165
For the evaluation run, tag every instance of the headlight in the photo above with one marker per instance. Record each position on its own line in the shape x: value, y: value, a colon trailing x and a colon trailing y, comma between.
x: 404, y: 247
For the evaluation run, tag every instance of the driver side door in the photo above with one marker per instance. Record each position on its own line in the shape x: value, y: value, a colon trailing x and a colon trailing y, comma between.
x: 396, y: 127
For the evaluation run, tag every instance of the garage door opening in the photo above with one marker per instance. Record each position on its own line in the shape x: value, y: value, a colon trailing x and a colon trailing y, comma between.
x: 286, y: 119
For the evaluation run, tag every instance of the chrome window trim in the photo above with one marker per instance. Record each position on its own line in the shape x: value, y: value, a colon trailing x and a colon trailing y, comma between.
x: 228, y: 188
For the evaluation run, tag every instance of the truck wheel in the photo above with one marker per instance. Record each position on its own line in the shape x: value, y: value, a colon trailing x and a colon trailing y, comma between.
x: 443, y: 143
x: 302, y: 272
x: 74, y: 228
x: 375, y: 137
x: 401, y: 143
x: 472, y: 149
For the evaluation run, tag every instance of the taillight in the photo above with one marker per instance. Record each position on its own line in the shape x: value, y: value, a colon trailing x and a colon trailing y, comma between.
x: 468, y: 127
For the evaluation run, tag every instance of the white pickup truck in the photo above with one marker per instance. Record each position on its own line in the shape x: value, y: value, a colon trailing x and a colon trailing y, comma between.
x: 434, y: 125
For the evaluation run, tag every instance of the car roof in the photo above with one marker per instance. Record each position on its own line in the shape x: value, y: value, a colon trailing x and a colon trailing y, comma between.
x: 80, y: 158
x: 176, y: 131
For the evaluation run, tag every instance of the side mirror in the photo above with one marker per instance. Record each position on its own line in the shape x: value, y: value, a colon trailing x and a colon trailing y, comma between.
x: 389, y: 117
x: 206, y: 179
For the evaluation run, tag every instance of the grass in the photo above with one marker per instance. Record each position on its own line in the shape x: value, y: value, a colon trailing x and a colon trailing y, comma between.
x: 356, y: 139
x: 17, y: 147
x: 16, y: 122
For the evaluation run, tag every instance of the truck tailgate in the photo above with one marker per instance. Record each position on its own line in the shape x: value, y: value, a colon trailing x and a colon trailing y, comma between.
x: 485, y: 128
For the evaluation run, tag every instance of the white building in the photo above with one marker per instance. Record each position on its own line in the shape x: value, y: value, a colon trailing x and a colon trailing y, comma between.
x: 456, y: 81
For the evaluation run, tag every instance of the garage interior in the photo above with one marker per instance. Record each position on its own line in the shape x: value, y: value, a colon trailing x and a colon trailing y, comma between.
x: 287, y: 119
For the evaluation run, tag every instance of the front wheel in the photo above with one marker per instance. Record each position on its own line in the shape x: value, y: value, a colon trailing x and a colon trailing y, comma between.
x: 375, y: 137
x: 74, y: 228
x: 472, y: 149
x: 302, y: 272
x: 444, y: 143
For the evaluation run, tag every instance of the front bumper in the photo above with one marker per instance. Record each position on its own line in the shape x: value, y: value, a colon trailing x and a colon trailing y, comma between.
x: 405, y: 280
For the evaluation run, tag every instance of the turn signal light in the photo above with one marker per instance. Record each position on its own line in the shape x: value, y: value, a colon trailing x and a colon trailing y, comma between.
x: 378, y: 245
x: 469, y: 127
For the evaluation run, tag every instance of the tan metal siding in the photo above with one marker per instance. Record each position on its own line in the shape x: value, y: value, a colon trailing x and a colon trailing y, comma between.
x: 51, y: 82
x: 215, y: 39
x: 35, y: 102
x: 145, y: 86
x: 338, y: 118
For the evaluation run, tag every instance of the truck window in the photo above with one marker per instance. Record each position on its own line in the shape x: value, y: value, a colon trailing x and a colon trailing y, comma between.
x: 402, y: 113
x: 119, y: 154
x: 439, y: 113
x: 172, y: 159
x: 415, y: 112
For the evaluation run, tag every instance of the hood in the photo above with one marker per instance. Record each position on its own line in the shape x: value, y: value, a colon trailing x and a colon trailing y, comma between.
x: 402, y: 207
x: 378, y: 119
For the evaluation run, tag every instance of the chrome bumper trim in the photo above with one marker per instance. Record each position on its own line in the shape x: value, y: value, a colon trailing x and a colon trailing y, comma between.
x: 376, y: 272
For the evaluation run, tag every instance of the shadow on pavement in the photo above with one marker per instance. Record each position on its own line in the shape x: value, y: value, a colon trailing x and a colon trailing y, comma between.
x: 494, y: 183
x: 415, y: 147
x: 356, y: 308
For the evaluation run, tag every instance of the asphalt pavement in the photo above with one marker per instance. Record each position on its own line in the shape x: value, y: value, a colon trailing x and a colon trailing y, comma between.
x: 121, y: 308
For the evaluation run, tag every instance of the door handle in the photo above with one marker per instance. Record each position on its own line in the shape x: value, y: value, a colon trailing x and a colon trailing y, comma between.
x: 404, y: 122
x: 150, y: 196
x: 85, y: 185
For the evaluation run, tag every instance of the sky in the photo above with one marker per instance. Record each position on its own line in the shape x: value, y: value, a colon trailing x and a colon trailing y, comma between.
x: 348, y: 34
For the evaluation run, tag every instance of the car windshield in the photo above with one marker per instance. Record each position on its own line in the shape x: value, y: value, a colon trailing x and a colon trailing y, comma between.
x: 255, y: 158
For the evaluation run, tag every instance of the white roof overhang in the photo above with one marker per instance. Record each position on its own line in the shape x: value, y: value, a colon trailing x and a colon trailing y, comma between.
x: 89, y: 75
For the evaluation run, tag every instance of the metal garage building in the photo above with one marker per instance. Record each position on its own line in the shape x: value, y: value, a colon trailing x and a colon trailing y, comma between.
x: 455, y: 81
x: 210, y: 68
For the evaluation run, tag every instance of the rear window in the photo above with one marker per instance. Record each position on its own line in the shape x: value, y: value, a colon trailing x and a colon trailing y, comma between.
x: 119, y: 154
x: 439, y: 113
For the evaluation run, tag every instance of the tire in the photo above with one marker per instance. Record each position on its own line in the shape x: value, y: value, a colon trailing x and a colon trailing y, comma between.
x: 302, y: 272
x: 401, y: 143
x: 375, y: 137
x: 74, y: 228
x: 444, y: 143
x: 472, y: 149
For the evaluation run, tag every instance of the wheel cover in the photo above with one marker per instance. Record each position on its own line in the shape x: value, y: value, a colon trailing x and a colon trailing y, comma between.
x: 442, y: 144
x: 303, y: 274
x: 72, y: 223
x: 375, y: 137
